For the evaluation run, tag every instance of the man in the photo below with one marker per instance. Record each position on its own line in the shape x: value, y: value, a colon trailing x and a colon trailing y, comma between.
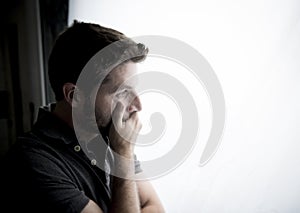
x: 49, y: 169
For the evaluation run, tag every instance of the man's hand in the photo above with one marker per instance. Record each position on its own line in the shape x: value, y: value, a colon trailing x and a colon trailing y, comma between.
x: 127, y: 194
x: 123, y: 133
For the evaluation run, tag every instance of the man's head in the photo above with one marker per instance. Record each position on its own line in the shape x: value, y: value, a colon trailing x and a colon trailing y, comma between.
x: 72, y: 51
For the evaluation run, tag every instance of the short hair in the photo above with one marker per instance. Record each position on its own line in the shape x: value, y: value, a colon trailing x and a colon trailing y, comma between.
x: 75, y: 46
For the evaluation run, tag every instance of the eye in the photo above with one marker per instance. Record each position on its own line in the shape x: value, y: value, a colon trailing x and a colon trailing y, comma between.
x: 122, y: 93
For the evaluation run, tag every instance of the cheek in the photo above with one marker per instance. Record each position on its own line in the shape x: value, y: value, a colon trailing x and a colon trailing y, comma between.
x: 104, y: 105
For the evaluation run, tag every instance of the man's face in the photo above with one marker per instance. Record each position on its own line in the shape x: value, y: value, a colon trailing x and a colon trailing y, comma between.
x: 117, y: 87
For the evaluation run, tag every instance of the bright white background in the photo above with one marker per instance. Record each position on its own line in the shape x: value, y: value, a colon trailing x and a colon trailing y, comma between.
x: 254, y: 48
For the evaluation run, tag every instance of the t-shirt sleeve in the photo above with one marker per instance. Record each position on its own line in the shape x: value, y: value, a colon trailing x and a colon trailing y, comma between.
x: 52, y: 186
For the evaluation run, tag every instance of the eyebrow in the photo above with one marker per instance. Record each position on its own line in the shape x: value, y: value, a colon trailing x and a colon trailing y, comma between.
x: 115, y: 88
x: 106, y: 79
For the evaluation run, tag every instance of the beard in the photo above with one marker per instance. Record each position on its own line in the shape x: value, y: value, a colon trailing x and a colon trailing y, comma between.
x: 104, y: 130
x: 104, y: 122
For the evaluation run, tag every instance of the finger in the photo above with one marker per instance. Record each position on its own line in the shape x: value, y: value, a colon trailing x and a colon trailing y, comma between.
x: 118, y: 113
x: 134, y: 119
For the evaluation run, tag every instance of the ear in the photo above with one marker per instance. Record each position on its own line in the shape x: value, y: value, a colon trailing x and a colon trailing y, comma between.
x: 68, y: 90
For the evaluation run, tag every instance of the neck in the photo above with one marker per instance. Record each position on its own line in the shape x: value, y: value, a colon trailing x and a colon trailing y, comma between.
x: 63, y: 110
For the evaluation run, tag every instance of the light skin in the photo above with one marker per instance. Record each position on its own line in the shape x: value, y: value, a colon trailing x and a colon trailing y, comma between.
x: 117, y: 100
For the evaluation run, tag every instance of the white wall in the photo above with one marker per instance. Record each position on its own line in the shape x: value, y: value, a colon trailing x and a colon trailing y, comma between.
x: 254, y: 48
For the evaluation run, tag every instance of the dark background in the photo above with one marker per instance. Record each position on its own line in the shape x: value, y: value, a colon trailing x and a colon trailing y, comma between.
x: 28, y: 31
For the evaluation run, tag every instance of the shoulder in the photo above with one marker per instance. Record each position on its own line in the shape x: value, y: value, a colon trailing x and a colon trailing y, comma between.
x: 30, y: 149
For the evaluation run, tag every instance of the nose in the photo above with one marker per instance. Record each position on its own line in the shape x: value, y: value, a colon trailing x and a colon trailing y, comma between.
x: 135, y: 105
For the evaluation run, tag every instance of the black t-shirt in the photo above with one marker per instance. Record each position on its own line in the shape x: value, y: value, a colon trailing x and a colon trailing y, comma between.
x: 47, y: 171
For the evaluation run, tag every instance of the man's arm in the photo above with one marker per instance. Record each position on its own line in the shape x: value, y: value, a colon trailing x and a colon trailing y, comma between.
x: 124, y: 198
x: 122, y: 137
x: 127, y: 195
x: 149, y: 201
x: 91, y: 207
x: 148, y: 198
